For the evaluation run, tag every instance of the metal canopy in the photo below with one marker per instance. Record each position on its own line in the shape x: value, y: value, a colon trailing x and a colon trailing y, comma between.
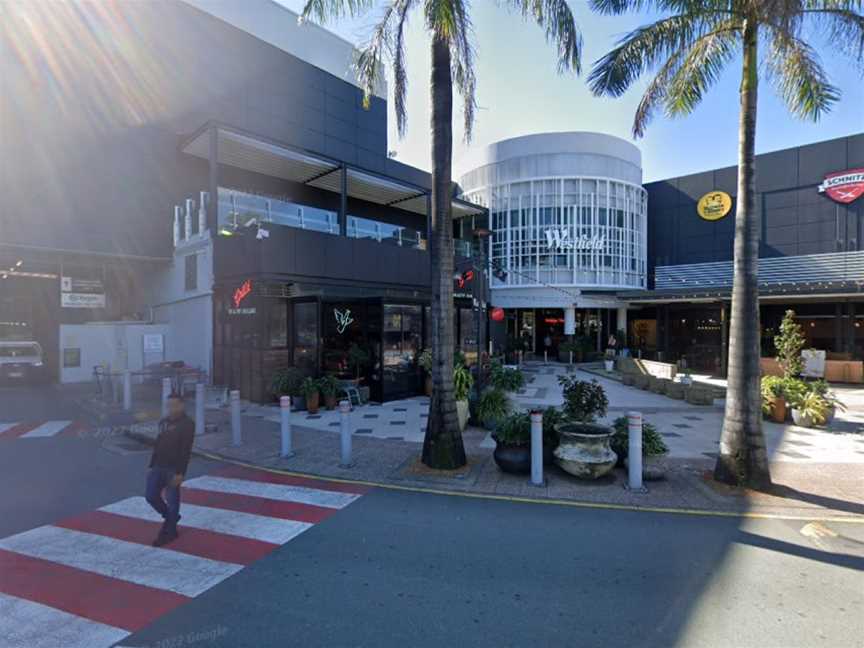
x: 251, y: 153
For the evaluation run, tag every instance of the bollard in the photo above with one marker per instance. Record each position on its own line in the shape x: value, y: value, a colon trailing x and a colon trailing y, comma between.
x: 571, y: 358
x: 236, y: 432
x: 127, y: 391
x: 545, y: 357
x: 345, y: 434
x: 199, y: 409
x: 537, y: 448
x: 634, y: 450
x: 166, y: 392
x: 519, y: 358
x: 285, y: 409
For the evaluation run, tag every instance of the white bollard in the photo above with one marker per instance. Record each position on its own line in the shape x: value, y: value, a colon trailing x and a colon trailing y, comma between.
x: 236, y: 432
x: 571, y: 358
x: 545, y: 357
x: 345, y: 434
x: 285, y: 410
x: 199, y: 409
x: 127, y: 391
x: 634, y: 450
x: 166, y: 392
x: 537, y: 448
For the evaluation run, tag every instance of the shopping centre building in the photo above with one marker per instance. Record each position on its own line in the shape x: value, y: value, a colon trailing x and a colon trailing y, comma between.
x: 199, y: 181
x: 587, y: 250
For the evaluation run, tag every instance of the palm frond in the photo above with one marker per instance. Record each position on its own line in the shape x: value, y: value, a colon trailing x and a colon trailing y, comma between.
x: 643, y: 49
x: 555, y: 17
x: 842, y: 23
x: 462, y: 61
x: 323, y: 11
x: 795, y: 70
x: 400, y: 75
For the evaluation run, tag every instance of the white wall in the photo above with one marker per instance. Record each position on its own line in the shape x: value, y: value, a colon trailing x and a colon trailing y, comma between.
x: 118, y: 344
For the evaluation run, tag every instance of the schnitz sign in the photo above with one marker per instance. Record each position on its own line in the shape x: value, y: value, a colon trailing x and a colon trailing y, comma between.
x: 843, y: 186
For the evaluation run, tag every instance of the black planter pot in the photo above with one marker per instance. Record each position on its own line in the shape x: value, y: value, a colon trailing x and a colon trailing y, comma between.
x: 513, y: 459
x: 548, y: 453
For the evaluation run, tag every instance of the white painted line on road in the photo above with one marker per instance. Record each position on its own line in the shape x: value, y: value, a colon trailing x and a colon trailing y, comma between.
x: 6, y: 426
x: 168, y: 570
x: 245, y: 525
x: 25, y: 624
x: 281, y: 492
x: 47, y: 429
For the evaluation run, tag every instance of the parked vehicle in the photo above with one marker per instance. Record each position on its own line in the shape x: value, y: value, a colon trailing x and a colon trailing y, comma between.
x: 22, y: 362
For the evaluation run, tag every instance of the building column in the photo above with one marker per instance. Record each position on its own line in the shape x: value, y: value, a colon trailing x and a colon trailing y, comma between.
x: 599, y: 332
x: 621, y: 322
x: 570, y: 320
x: 213, y: 181
x: 724, y: 338
x: 343, y: 201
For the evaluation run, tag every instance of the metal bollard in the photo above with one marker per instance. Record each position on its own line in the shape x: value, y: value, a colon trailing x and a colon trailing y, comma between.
x: 285, y: 410
x: 166, y: 392
x: 545, y: 357
x: 634, y: 450
x: 345, y: 434
x: 199, y: 408
x: 571, y: 358
x: 236, y: 432
x: 127, y: 391
x: 537, y: 448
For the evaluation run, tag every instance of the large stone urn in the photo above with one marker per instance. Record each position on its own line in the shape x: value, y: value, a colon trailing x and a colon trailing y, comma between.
x: 584, y: 450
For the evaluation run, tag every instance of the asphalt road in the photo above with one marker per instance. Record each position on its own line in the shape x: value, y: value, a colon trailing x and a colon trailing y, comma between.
x: 411, y: 569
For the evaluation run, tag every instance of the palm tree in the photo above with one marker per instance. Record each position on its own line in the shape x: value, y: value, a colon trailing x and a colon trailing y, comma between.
x: 689, y: 49
x: 450, y: 31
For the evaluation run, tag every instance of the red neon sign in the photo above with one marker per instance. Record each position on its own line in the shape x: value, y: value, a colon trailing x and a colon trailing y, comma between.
x: 242, y: 292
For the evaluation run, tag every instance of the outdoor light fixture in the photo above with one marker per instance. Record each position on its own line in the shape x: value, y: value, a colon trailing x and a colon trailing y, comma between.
x: 262, y: 234
x: 18, y: 263
x: 224, y: 231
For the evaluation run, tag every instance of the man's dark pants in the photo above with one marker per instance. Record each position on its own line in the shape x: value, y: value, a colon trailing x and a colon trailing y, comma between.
x: 157, y: 479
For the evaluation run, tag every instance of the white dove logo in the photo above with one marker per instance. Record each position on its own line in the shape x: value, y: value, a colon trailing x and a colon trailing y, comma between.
x: 343, y: 319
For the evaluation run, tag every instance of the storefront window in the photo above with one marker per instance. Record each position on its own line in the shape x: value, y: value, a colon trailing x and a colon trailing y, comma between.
x: 402, y: 342
x: 279, y: 325
x: 344, y: 324
x: 306, y: 335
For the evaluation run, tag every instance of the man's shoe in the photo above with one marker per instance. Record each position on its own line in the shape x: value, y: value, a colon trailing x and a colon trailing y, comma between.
x: 165, y: 536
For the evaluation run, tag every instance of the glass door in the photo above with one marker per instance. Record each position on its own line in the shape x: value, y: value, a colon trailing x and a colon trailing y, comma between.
x: 402, y: 340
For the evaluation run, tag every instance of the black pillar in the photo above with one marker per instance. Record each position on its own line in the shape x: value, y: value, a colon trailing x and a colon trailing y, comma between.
x: 343, y: 202
x: 213, y: 181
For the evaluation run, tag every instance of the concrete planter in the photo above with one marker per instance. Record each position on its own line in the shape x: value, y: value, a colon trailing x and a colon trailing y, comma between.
x: 699, y: 396
x: 462, y: 412
x: 640, y: 381
x: 584, y: 450
x: 675, y: 390
x: 628, y: 379
x: 802, y: 420
x: 658, y: 385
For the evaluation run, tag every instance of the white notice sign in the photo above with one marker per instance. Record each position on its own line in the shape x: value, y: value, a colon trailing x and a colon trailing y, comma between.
x: 814, y: 363
x: 153, y: 343
x: 82, y: 300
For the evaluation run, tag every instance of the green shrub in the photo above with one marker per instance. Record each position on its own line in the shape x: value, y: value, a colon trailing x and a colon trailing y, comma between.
x: 309, y: 386
x: 357, y: 358
x: 506, y: 378
x: 551, y: 418
x: 789, y: 343
x: 584, y: 401
x: 425, y: 360
x: 462, y: 382
x: 328, y: 385
x: 287, y: 382
x: 492, y: 406
x: 652, y: 443
x: 514, y: 430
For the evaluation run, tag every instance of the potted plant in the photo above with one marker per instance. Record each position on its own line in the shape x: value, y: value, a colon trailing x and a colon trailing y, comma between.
x: 822, y: 388
x: 506, y: 378
x: 809, y: 410
x: 425, y: 362
x: 462, y: 382
x: 329, y: 387
x: 492, y: 406
x: 310, y: 392
x: 653, y: 446
x: 357, y: 358
x: 552, y: 417
x: 584, y: 450
x: 568, y: 350
x: 286, y: 382
x: 513, y: 444
x: 773, y: 398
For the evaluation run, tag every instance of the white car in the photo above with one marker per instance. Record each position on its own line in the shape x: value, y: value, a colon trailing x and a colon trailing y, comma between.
x: 21, y: 362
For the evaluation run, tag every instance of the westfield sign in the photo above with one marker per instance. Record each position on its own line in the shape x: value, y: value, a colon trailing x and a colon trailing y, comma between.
x: 843, y: 186
x: 559, y: 239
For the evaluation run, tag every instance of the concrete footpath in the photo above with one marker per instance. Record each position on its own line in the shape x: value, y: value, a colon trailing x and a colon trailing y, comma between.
x: 807, y: 490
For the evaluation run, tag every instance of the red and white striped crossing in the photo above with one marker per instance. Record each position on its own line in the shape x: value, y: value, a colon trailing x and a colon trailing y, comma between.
x: 93, y: 579
x: 40, y: 429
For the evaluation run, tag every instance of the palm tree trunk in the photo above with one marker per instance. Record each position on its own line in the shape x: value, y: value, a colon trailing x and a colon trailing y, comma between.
x: 743, y: 459
x: 442, y: 446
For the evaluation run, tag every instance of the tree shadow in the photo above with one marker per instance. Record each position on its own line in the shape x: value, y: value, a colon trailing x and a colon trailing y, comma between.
x: 827, y: 557
x: 831, y: 503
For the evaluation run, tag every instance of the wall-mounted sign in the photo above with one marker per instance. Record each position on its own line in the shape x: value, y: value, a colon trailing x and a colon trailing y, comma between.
x: 559, y: 239
x: 814, y: 363
x: 843, y: 186
x: 497, y: 314
x: 74, y: 284
x: 714, y: 205
x: 237, y: 298
x: 81, y: 300
x: 467, y: 276
x: 343, y: 319
x: 153, y: 343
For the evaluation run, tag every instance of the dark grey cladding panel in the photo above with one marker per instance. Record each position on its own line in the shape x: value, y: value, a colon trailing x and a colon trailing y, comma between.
x: 855, y: 151
x: 726, y: 180
x: 777, y: 170
x: 780, y: 199
x: 815, y: 160
x: 693, y: 187
x: 338, y: 256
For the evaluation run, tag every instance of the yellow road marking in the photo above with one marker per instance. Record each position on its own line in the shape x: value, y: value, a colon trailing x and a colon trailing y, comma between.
x: 549, y: 501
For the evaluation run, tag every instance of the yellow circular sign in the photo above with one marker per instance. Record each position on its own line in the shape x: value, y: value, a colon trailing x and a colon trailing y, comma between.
x: 714, y: 206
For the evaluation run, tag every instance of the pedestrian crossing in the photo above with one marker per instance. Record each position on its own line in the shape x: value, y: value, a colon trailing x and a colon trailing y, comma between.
x: 93, y: 579
x: 40, y: 429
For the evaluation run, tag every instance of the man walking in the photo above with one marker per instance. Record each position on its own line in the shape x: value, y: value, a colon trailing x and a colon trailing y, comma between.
x: 168, y: 466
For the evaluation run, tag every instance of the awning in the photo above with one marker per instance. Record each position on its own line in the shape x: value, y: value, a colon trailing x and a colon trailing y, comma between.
x: 772, y: 292
x: 244, y: 151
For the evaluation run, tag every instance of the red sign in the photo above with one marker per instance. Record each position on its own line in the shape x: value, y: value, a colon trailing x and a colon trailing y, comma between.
x: 466, y: 276
x: 843, y: 186
x: 242, y: 292
x: 497, y: 315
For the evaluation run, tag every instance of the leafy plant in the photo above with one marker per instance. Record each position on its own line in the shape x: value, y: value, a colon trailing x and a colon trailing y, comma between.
x: 789, y: 343
x: 309, y: 386
x: 357, y: 357
x: 584, y: 401
x: 794, y: 390
x: 514, y: 430
x: 328, y: 385
x: 506, y: 378
x: 493, y: 406
x: 823, y: 389
x: 425, y: 360
x: 462, y: 382
x: 652, y: 442
x: 813, y: 406
x: 551, y: 418
x: 287, y: 382
x: 459, y: 359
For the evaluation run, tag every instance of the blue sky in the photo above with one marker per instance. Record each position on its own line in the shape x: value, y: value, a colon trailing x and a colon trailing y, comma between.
x: 520, y: 92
